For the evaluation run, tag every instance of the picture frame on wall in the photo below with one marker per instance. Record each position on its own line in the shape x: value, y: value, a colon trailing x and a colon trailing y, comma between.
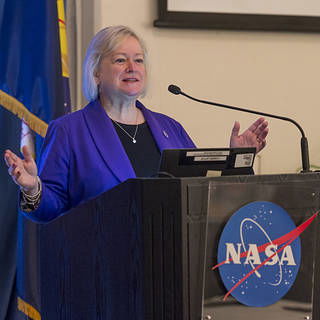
x: 271, y: 15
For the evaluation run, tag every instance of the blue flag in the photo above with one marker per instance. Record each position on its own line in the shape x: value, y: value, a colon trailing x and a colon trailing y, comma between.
x: 31, y: 73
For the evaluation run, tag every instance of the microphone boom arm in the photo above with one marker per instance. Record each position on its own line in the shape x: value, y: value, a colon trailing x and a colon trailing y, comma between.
x: 246, y: 110
x: 304, y: 142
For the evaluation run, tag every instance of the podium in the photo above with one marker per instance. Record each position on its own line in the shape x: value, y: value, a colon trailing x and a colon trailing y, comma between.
x: 145, y: 250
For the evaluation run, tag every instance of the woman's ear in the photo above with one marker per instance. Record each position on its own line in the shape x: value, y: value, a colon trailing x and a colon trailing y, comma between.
x: 97, y: 77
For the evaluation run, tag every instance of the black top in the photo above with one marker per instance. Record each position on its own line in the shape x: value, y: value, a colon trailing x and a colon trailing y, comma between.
x: 144, y: 154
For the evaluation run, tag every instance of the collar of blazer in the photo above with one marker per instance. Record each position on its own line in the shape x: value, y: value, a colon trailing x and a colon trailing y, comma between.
x: 108, y: 143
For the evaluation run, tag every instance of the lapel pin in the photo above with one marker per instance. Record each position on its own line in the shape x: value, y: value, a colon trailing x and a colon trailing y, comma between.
x: 165, y: 134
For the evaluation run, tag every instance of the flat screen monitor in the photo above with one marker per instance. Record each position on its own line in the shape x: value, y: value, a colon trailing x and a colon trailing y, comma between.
x: 197, y: 162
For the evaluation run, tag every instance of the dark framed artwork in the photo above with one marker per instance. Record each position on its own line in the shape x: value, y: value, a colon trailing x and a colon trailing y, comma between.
x: 272, y: 15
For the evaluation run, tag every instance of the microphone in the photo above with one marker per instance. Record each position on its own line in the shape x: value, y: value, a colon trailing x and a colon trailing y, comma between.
x: 303, y: 144
x: 174, y: 89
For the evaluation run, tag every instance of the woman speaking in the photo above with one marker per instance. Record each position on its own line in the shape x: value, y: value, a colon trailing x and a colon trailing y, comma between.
x: 114, y: 138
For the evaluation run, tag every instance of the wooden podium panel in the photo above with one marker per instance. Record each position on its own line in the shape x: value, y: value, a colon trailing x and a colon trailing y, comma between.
x: 134, y: 252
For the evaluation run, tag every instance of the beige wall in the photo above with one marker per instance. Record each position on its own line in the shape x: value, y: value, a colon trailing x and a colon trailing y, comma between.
x: 267, y: 71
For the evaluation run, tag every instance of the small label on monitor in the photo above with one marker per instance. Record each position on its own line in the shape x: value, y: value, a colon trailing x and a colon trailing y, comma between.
x: 210, y: 158
x: 244, y: 160
x: 207, y: 153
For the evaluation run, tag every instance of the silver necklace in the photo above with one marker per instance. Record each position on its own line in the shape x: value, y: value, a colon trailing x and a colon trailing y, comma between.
x: 126, y: 132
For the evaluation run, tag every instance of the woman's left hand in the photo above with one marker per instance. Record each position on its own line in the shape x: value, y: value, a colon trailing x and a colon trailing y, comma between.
x: 253, y: 137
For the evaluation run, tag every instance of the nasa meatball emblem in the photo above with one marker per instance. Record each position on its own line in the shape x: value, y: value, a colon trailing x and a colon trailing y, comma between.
x: 257, y: 266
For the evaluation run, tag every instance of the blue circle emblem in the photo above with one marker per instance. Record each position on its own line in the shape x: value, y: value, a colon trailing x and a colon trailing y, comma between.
x: 259, y: 264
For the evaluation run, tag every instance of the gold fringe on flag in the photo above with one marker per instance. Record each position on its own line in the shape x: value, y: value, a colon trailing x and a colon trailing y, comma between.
x: 28, y: 310
x: 63, y: 38
x: 17, y: 108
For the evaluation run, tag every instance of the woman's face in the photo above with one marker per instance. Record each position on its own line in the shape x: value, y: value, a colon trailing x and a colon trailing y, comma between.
x: 123, y: 73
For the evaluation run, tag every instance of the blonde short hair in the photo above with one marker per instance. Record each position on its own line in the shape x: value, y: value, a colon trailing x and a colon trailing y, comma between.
x: 102, y: 44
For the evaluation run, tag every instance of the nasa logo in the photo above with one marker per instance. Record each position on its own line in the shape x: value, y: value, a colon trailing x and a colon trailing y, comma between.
x: 257, y: 263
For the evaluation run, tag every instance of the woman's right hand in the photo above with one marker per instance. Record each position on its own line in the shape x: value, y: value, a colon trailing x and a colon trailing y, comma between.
x: 23, y: 171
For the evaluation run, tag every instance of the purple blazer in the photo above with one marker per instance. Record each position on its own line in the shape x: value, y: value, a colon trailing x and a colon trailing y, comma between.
x: 82, y: 157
